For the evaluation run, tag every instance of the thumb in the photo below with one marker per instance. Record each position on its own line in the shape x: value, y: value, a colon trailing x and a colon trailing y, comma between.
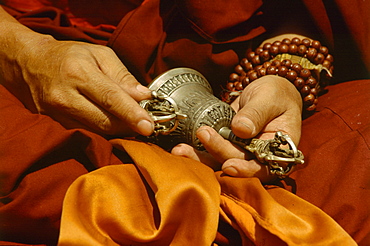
x: 256, y: 112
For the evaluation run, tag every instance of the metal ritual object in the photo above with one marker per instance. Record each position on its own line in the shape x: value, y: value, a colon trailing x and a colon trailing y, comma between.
x: 183, y: 101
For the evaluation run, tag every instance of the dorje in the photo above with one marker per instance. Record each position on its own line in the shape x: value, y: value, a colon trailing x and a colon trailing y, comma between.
x: 183, y: 101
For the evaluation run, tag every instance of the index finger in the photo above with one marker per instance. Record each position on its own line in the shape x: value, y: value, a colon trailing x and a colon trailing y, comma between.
x: 110, y: 96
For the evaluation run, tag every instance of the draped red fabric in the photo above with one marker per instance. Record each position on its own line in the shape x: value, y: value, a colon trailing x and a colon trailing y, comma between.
x: 39, y: 159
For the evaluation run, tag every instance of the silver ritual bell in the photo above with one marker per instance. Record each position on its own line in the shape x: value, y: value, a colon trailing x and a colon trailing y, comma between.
x: 183, y: 101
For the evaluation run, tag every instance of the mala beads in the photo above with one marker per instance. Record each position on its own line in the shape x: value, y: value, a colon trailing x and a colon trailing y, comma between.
x: 299, y: 61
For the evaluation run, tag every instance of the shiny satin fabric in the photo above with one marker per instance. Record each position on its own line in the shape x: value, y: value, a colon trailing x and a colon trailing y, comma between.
x: 163, y: 199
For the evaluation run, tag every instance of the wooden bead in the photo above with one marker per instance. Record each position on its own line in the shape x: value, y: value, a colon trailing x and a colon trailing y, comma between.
x: 305, y: 90
x: 276, y: 63
x: 243, y: 61
x: 297, y: 67
x: 311, y: 53
x: 306, y: 42
x: 267, y: 46
x: 326, y: 64
x: 256, y: 60
x: 239, y: 70
x: 271, y: 70
x: 274, y: 50
x: 293, y: 49
x: 287, y: 63
x: 309, y: 99
x: 316, y: 44
x: 283, y: 71
x: 311, y: 108
x: 233, y: 77
x: 291, y: 75
x: 302, y: 49
x: 230, y: 86
x: 311, y: 82
x: 261, y: 72
x: 319, y: 58
x: 276, y: 43
x: 329, y: 58
x: 314, y: 91
x: 245, y: 82
x: 296, y: 41
x: 284, y: 48
x: 253, y: 76
x: 286, y: 41
x: 265, y: 55
x: 299, y: 83
x: 305, y: 73
x: 258, y: 50
x: 324, y: 50
x: 250, y: 55
x: 239, y: 86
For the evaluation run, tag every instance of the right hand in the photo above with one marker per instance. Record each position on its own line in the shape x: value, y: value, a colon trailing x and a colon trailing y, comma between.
x: 82, y: 85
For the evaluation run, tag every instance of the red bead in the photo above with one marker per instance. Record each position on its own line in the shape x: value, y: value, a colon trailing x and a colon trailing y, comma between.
x: 311, y: 53
x: 319, y: 58
x: 284, y: 48
x: 265, y: 55
x: 291, y: 75
x: 305, y: 73
x: 233, y: 77
x: 299, y: 83
x: 324, y: 50
x: 316, y: 44
x: 293, y: 49
x: 302, y: 49
x: 311, y: 82
x: 283, y: 71
x: 296, y: 41
x: 297, y: 67
x: 272, y: 70
x: 306, y: 42
x: 274, y: 50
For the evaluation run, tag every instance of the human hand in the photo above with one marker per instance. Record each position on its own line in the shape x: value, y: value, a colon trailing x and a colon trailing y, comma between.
x: 269, y: 104
x: 84, y: 86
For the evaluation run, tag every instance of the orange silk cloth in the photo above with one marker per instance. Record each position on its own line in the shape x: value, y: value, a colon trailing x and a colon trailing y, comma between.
x: 163, y: 199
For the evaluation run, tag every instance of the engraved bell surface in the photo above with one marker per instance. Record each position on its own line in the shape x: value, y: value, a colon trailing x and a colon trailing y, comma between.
x: 189, y: 98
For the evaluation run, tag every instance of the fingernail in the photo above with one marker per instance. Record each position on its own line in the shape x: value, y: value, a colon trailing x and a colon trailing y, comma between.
x: 232, y: 171
x: 204, y: 135
x: 143, y: 89
x: 145, y: 127
x: 247, y: 123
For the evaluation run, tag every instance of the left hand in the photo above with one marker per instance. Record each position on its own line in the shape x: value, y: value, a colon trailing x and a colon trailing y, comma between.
x: 269, y: 104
